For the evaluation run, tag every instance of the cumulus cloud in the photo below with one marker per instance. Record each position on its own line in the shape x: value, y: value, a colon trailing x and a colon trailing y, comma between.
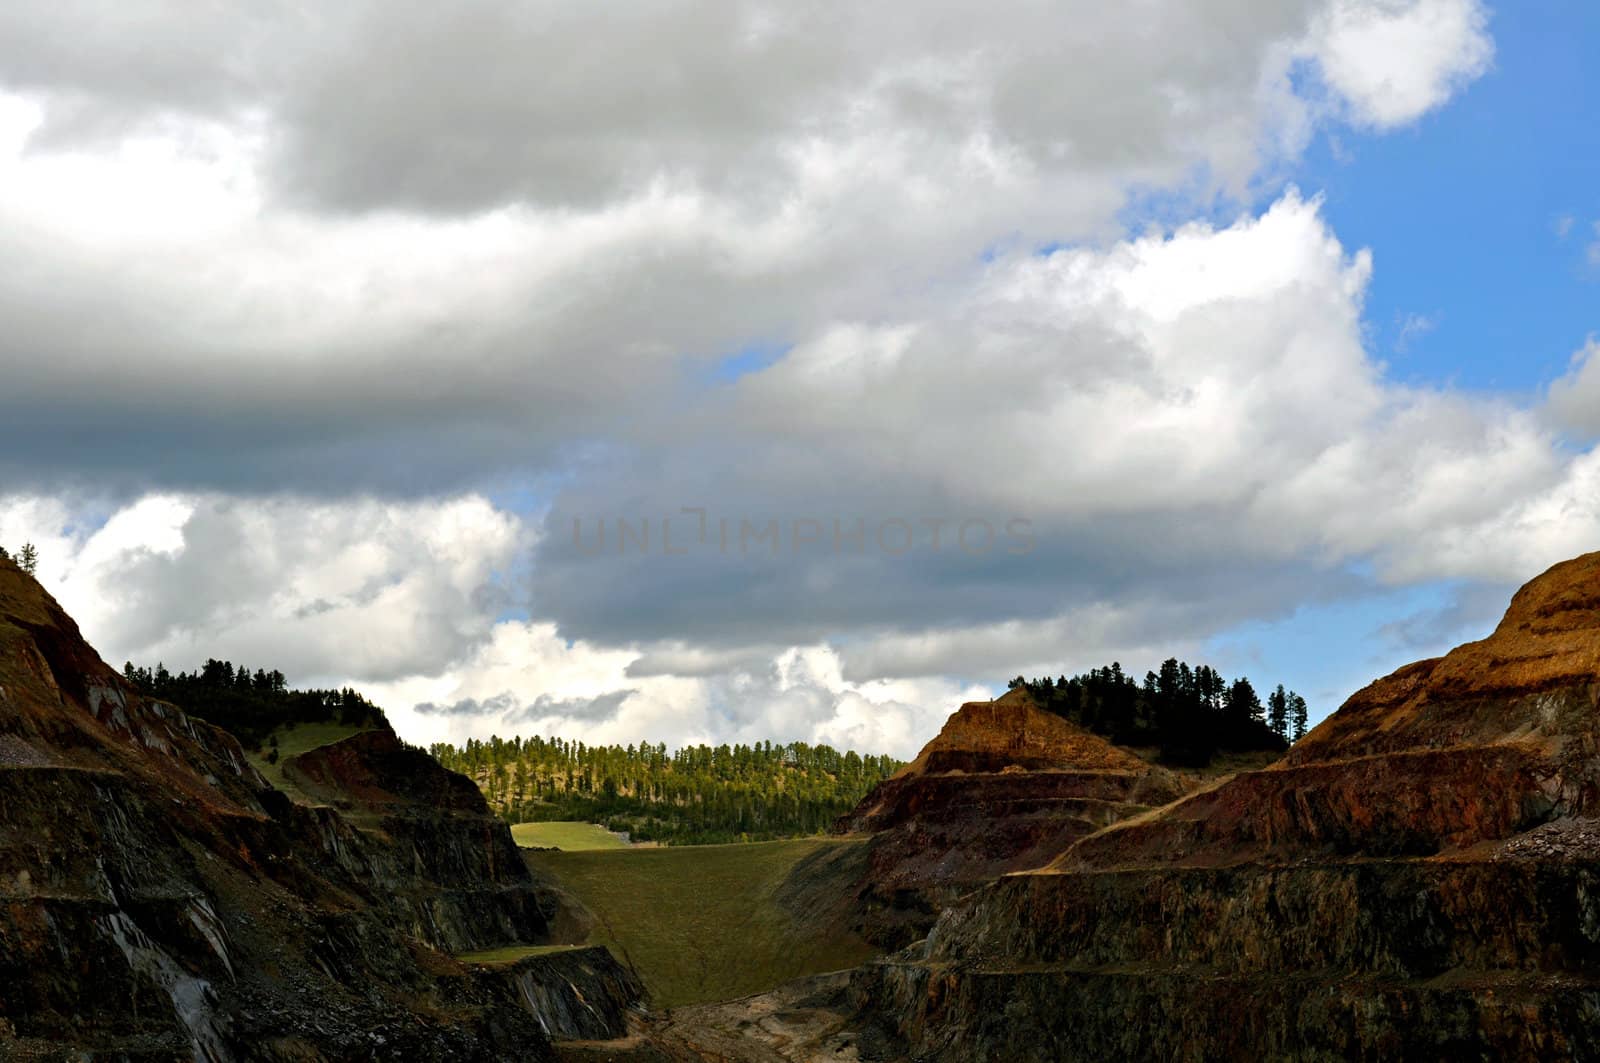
x: 588, y: 693
x: 1134, y: 405
x: 1188, y: 422
x: 1575, y: 397
x: 1393, y: 61
x: 304, y: 285
x: 354, y: 589
x: 411, y: 106
x: 287, y: 243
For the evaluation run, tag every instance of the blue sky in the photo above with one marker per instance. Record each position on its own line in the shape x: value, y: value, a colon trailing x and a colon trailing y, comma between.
x: 1480, y: 218
x: 1464, y: 210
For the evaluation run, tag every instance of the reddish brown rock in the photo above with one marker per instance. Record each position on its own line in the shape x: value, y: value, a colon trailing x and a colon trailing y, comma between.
x: 1418, y: 878
x: 1004, y: 786
x: 1495, y: 737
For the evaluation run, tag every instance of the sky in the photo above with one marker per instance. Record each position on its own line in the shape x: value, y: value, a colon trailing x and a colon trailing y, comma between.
x: 737, y: 370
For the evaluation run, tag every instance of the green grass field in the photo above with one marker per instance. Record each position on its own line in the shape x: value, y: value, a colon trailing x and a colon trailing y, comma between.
x: 566, y: 836
x: 300, y: 738
x: 702, y: 923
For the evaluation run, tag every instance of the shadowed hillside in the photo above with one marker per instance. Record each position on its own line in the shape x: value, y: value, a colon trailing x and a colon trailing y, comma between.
x: 160, y: 900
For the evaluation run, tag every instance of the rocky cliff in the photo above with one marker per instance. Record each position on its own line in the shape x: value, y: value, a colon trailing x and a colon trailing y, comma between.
x: 160, y: 900
x: 1418, y: 878
x: 1004, y: 786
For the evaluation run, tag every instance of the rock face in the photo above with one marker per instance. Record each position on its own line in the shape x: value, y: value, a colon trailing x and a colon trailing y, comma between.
x: 160, y: 900
x: 449, y: 871
x: 1004, y: 786
x: 1418, y: 878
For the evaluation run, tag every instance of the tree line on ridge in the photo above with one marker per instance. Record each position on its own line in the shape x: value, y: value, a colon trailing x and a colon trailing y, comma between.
x: 1189, y: 714
x: 695, y: 795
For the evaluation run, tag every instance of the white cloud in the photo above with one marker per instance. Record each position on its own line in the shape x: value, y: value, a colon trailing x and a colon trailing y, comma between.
x: 322, y: 590
x: 1548, y: 520
x: 401, y: 601
x: 1175, y: 414
x: 1190, y: 421
x: 1393, y: 61
x: 528, y: 680
x: 411, y: 250
x: 1575, y: 397
x: 275, y: 240
x: 576, y: 107
x: 1148, y: 373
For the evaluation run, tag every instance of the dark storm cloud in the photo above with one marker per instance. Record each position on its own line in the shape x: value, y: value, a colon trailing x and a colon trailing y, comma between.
x: 125, y: 448
x: 865, y: 563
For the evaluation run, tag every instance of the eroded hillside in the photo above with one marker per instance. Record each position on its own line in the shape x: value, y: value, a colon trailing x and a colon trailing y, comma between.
x: 1003, y: 787
x: 160, y: 900
x: 1419, y: 878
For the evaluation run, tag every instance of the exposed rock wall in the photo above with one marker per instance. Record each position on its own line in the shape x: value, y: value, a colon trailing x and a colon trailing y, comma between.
x: 1056, y: 1015
x: 577, y: 995
x: 1419, y: 878
x: 448, y: 869
x: 159, y: 900
x: 1003, y: 787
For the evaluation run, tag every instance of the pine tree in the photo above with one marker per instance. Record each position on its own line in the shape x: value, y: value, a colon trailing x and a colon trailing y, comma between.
x: 1297, y: 715
x: 28, y: 559
x: 1169, y: 681
x: 1242, y: 701
x: 1278, y: 711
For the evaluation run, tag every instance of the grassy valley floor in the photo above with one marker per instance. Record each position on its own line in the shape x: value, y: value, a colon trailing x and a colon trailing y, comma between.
x: 708, y: 922
x: 567, y: 836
